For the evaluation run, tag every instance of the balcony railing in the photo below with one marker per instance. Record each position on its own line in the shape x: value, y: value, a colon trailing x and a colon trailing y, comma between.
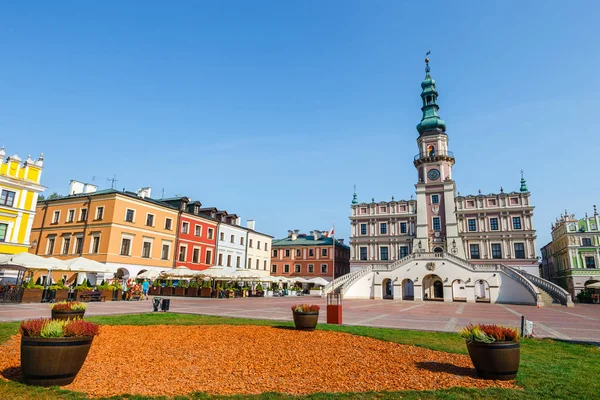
x: 433, y: 154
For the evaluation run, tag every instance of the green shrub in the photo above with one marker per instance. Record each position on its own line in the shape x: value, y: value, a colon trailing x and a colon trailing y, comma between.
x: 53, y: 329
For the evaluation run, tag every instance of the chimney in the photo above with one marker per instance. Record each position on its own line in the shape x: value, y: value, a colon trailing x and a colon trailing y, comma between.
x: 295, y: 234
x: 250, y: 224
x: 290, y: 233
x: 144, y: 192
x: 76, y: 187
x: 317, y: 234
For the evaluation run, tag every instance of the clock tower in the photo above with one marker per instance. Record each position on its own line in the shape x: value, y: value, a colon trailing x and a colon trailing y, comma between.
x: 437, y: 229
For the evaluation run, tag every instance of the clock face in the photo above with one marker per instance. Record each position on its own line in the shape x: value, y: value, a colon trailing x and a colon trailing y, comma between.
x: 433, y: 174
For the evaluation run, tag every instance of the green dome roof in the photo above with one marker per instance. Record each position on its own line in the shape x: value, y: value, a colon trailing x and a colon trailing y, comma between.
x: 431, y: 121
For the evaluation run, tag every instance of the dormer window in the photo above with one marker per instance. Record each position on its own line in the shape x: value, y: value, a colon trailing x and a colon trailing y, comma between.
x: 196, y: 210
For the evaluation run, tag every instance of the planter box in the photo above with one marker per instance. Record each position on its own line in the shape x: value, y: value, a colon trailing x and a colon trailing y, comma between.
x: 154, y: 290
x: 180, y: 291
x: 39, y: 359
x: 205, y: 292
x: 497, y: 360
x: 61, y: 295
x: 315, y: 293
x: 107, y: 294
x: 117, y: 295
x: 31, y: 296
x: 306, y: 321
x: 166, y: 291
x: 269, y: 293
x: 191, y: 292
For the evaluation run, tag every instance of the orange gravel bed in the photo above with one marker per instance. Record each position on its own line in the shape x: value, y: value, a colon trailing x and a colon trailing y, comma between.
x: 221, y: 359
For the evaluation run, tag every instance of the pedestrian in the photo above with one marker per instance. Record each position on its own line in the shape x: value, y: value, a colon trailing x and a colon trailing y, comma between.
x: 145, y: 287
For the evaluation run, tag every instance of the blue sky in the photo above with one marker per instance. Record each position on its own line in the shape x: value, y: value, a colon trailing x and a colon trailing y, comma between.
x: 275, y: 109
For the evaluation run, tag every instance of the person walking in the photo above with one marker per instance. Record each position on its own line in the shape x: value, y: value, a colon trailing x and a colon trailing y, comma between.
x: 145, y: 287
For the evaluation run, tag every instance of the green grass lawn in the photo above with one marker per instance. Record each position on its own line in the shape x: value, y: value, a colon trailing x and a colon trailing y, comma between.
x: 549, y: 369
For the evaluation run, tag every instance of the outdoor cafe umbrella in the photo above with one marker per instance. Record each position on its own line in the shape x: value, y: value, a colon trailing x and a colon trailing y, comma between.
x: 179, y: 272
x: 150, y: 273
x: 319, y: 281
x: 595, y: 285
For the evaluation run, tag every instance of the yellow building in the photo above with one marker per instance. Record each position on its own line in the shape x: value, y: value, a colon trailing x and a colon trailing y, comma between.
x: 19, y: 190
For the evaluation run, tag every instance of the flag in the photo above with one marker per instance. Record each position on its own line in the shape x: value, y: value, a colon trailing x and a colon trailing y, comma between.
x: 331, y: 232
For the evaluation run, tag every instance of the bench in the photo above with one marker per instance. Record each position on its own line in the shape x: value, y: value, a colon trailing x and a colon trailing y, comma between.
x: 92, y: 296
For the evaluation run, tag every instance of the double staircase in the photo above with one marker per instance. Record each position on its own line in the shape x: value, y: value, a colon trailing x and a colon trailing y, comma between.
x: 544, y: 291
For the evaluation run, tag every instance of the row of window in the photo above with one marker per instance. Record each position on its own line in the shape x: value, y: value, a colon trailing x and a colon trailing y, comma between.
x: 497, y: 251
x: 383, y: 228
x: 472, y: 224
x: 311, y: 253
x: 77, y: 248
x: 185, y: 229
x: 250, y: 242
x: 383, y: 253
x: 182, y: 256
x: 238, y: 262
x: 298, y: 269
x: 7, y: 198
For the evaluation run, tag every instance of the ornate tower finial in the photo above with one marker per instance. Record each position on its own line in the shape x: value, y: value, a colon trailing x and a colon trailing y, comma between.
x: 595, y: 212
x: 354, y: 198
x: 501, y: 189
x: 431, y: 121
x: 523, y: 184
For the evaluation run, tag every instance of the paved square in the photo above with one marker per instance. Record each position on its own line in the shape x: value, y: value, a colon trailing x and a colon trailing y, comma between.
x: 581, y: 323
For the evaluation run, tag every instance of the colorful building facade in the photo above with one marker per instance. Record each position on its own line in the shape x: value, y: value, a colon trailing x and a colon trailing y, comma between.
x: 19, y: 190
x: 258, y: 250
x: 309, y: 256
x: 572, y: 258
x: 197, y: 235
x: 127, y: 231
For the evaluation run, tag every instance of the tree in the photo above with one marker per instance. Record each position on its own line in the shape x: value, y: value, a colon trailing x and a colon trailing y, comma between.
x: 52, y: 196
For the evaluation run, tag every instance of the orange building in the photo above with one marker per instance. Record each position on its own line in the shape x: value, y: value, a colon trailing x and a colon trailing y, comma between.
x: 126, y: 230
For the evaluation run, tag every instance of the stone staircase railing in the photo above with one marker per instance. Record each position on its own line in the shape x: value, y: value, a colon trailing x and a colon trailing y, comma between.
x: 343, y: 279
x: 346, y: 285
x: 518, y: 276
x: 556, y: 292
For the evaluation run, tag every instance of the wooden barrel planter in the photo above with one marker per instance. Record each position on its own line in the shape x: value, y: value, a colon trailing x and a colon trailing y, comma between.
x: 306, y: 321
x: 67, y: 314
x: 53, y: 361
x: 497, y: 360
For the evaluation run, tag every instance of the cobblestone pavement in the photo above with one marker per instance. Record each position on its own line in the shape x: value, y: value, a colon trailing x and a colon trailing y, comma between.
x: 580, y: 323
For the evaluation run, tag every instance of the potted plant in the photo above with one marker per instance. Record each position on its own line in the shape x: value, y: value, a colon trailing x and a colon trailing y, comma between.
x: 53, y: 351
x: 305, y: 316
x: 32, y: 292
x: 167, y: 290
x: 192, y: 289
x: 494, y: 350
x: 61, y: 292
x: 117, y: 290
x: 106, y: 289
x: 155, y: 288
x: 180, y: 289
x: 259, y: 290
x: 206, y: 290
x: 316, y: 291
x: 68, y: 310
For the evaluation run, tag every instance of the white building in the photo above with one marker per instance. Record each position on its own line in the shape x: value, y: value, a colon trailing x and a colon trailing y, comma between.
x: 231, y: 241
x: 441, y: 246
x: 258, y: 250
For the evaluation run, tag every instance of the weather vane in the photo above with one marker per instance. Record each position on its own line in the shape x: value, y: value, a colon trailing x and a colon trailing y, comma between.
x: 427, y: 61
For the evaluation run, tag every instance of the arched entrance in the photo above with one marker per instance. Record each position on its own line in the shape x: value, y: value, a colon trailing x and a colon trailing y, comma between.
x: 408, y: 290
x: 433, y: 288
x: 388, y: 289
x: 123, y: 273
x: 482, y: 290
x: 438, y: 250
x: 459, y: 290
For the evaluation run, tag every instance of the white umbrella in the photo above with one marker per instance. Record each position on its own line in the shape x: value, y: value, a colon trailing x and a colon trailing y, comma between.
x: 179, y: 272
x: 298, y: 279
x: 81, y: 264
x: 213, y: 273
x: 319, y: 281
x: 150, y: 273
x: 595, y: 285
x: 31, y: 261
x: 245, y: 275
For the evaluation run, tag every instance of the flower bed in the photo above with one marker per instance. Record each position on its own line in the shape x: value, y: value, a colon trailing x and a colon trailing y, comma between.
x: 345, y: 363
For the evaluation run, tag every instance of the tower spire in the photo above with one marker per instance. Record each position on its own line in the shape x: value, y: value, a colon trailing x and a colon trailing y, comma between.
x: 354, y: 198
x: 431, y: 121
x: 523, y: 184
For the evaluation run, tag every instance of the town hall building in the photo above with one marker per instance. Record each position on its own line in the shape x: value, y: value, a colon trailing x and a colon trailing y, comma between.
x: 442, y: 245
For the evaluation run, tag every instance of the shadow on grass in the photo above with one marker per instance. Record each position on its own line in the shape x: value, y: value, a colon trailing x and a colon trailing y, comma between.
x: 448, y: 368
